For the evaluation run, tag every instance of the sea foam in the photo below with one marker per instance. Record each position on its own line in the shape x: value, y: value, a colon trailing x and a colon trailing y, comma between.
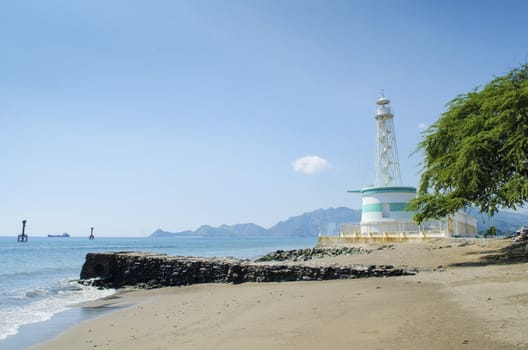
x: 43, y: 303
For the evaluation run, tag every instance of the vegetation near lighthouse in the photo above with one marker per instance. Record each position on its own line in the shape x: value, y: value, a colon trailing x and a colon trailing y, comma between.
x: 476, y: 153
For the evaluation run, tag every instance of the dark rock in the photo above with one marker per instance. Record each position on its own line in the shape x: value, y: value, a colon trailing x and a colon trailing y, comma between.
x: 142, y: 270
x: 308, y: 254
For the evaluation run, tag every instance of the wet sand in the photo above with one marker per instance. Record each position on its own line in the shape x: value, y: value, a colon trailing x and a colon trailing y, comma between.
x: 460, y: 299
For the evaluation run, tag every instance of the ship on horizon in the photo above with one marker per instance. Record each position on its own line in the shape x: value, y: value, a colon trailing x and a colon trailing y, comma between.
x: 63, y: 235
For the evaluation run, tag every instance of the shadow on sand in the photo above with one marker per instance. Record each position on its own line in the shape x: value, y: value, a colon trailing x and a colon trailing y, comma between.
x: 513, y: 253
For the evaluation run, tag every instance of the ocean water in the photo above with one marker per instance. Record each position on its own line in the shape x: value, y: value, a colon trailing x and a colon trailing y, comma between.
x: 37, y: 278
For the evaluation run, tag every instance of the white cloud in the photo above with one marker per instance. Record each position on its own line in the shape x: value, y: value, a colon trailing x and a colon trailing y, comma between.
x: 422, y: 126
x: 310, y: 164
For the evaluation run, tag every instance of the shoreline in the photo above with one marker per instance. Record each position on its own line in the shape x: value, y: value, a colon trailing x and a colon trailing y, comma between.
x: 41, y: 332
x: 469, y: 305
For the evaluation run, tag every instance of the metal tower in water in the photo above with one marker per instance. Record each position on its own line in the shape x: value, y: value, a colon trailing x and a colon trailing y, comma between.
x: 387, y: 164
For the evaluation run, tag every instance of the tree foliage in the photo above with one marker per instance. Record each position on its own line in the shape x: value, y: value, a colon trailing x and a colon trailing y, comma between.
x: 490, y: 232
x: 476, y: 153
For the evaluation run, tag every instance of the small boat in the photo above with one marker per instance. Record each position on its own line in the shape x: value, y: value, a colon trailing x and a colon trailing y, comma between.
x: 65, y: 235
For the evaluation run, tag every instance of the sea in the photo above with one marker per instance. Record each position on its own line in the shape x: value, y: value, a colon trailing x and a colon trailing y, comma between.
x: 38, y: 288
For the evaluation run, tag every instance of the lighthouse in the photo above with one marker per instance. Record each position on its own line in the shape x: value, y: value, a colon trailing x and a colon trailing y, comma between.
x: 385, y: 212
x: 385, y: 205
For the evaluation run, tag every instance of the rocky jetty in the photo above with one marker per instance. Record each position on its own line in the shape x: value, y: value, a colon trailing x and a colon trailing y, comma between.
x: 311, y: 253
x: 144, y: 270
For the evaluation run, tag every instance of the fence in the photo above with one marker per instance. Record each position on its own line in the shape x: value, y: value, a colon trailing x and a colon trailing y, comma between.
x: 393, y: 230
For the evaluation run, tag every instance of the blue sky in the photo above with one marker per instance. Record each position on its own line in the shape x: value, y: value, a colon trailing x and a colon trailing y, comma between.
x: 132, y: 115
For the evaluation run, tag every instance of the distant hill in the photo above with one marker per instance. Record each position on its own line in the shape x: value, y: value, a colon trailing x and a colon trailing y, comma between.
x: 328, y: 221
x: 160, y: 233
x: 311, y: 223
x: 307, y: 224
x: 506, y: 222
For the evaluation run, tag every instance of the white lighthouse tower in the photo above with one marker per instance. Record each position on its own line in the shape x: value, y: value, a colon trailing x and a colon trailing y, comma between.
x: 384, y: 206
x: 387, y: 164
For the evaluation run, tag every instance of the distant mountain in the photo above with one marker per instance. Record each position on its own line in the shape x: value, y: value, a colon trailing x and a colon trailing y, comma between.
x: 224, y: 230
x: 239, y: 229
x: 160, y: 233
x: 311, y: 223
x: 506, y: 222
x: 307, y: 224
x: 246, y: 229
x: 329, y: 220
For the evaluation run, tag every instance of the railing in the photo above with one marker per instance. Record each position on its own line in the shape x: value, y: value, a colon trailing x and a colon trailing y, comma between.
x: 391, y: 230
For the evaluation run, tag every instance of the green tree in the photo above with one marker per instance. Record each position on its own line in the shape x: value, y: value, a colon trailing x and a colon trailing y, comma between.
x: 490, y: 232
x: 476, y: 153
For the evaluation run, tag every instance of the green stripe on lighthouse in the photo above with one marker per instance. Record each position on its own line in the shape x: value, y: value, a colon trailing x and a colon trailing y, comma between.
x: 378, y: 207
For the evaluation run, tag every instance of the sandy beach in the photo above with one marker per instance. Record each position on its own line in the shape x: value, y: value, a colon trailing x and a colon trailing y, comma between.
x: 468, y: 294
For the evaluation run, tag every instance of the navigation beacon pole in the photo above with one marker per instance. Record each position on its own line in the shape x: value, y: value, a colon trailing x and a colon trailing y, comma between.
x: 91, y: 234
x: 23, y: 237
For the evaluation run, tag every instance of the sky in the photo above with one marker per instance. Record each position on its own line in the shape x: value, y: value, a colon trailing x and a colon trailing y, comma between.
x: 130, y: 116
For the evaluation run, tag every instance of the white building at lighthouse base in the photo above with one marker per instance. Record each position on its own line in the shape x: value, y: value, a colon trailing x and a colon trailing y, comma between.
x: 386, y: 216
